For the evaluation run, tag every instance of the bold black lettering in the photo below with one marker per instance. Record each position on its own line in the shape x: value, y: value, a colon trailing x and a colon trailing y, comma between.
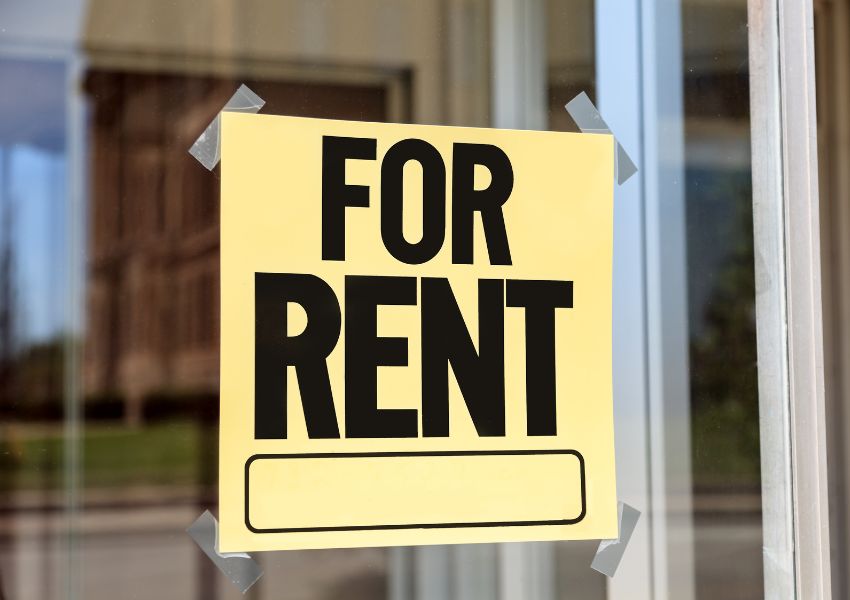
x: 540, y: 299
x: 336, y: 194
x: 446, y: 341
x: 274, y: 351
x: 433, y: 201
x: 365, y: 351
x: 466, y: 200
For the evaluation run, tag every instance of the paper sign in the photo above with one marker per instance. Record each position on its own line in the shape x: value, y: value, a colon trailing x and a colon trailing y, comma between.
x: 415, y: 335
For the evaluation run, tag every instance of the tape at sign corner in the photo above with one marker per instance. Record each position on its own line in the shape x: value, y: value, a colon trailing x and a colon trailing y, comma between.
x: 610, y: 552
x: 589, y: 120
x: 207, y: 148
x: 242, y: 570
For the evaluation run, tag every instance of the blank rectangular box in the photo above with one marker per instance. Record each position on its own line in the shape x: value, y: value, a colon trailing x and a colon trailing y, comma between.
x: 398, y: 490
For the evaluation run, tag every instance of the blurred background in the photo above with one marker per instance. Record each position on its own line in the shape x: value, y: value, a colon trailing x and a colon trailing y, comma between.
x: 109, y: 274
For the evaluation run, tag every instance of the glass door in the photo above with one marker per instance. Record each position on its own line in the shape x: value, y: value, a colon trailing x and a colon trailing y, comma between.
x: 109, y: 280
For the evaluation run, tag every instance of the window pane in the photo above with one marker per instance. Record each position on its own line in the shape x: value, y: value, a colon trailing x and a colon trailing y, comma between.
x: 721, y: 302
x: 109, y: 278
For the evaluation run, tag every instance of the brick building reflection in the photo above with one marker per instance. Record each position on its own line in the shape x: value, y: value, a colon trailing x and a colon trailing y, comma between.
x: 152, y: 307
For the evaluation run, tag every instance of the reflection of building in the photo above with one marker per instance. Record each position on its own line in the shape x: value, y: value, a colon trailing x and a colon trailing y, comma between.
x: 153, y: 255
x: 152, y: 303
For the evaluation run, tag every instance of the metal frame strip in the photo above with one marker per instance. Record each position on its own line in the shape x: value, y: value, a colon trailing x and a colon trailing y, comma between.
x: 788, y: 300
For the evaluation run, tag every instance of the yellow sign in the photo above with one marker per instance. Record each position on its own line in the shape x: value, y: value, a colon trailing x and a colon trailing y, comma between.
x: 415, y: 335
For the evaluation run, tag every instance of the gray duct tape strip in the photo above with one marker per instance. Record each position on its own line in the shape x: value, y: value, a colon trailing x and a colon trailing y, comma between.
x: 610, y: 552
x: 588, y: 119
x: 207, y: 148
x: 239, y: 567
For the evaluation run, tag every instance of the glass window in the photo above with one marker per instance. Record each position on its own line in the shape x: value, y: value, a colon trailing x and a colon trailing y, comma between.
x: 109, y: 278
x: 721, y: 302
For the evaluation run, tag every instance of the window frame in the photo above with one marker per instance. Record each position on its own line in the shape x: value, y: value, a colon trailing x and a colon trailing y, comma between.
x: 788, y: 299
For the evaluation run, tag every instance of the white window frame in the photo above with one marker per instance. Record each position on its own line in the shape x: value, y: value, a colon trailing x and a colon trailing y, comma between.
x: 639, y: 92
x: 788, y: 299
